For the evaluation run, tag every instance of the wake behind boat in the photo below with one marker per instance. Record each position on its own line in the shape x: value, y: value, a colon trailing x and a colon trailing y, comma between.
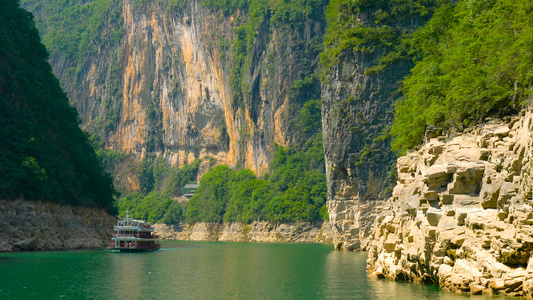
x: 133, y: 236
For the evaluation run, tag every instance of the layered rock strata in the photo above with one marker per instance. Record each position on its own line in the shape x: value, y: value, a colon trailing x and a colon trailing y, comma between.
x: 300, y: 232
x: 35, y: 225
x: 461, y: 213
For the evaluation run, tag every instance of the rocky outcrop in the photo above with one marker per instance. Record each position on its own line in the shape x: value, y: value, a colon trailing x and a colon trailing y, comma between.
x: 300, y: 232
x: 35, y: 225
x: 461, y: 213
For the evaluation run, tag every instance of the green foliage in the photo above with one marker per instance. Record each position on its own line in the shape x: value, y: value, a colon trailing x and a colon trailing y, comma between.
x: 473, y: 60
x: 75, y: 28
x: 324, y: 213
x: 160, y: 184
x: 43, y: 153
x: 177, y: 3
x: 76, y: 31
x: 154, y: 207
x: 209, y: 202
x: 300, y: 184
x: 373, y: 27
x: 294, y: 189
x: 154, y: 122
x: 155, y: 174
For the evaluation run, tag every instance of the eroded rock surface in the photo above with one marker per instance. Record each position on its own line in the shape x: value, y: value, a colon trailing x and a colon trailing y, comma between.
x: 299, y: 232
x: 35, y: 225
x: 461, y: 213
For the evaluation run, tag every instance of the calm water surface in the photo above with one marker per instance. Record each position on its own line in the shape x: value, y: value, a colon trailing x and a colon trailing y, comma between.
x: 202, y: 270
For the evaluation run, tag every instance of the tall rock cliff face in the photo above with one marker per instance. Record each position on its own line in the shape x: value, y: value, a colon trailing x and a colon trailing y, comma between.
x: 363, y: 72
x: 355, y: 112
x: 461, y: 212
x: 164, y: 86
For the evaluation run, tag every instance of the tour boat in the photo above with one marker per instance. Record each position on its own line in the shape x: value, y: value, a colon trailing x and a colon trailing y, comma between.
x: 133, y: 236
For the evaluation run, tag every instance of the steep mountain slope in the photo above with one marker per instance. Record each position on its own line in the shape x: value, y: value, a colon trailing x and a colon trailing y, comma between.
x: 44, y: 155
x: 460, y: 214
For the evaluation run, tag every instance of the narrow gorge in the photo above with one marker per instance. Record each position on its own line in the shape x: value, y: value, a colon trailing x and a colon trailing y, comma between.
x: 401, y: 128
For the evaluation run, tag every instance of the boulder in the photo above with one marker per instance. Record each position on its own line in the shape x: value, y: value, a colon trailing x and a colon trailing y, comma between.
x: 433, y: 216
x: 467, y: 179
x: 476, y: 289
x: 490, y: 194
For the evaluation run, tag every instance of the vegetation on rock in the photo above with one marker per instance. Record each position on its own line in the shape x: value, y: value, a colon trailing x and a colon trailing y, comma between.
x: 293, y: 190
x: 377, y: 27
x: 473, y: 60
x: 160, y: 186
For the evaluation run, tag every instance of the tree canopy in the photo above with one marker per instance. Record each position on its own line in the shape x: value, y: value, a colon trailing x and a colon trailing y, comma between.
x: 473, y: 60
x: 44, y: 155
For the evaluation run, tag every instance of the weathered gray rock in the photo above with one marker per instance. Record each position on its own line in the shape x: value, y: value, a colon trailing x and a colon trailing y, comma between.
x: 464, y: 218
x: 35, y: 225
x: 356, y: 109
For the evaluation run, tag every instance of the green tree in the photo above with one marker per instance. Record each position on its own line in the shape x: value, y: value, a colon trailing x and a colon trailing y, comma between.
x: 44, y: 155
x: 472, y: 61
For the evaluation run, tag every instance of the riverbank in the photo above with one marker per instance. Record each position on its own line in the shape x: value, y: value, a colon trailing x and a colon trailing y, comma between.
x: 37, y: 225
x: 258, y: 231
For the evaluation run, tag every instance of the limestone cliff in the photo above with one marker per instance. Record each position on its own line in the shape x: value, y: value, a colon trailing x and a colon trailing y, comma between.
x: 164, y: 85
x: 461, y: 213
x: 363, y: 74
x: 36, y: 225
x: 356, y: 110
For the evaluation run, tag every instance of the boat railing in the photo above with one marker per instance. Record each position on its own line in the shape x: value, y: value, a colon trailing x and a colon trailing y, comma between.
x: 136, y: 235
x: 125, y: 235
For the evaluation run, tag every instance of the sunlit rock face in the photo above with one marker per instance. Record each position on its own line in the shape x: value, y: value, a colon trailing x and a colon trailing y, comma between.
x: 166, y: 87
x: 461, y: 213
x: 257, y: 231
x: 356, y: 110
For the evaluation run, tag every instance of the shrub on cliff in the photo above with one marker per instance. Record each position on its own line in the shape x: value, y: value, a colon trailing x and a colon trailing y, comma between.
x: 473, y: 60
x: 377, y: 28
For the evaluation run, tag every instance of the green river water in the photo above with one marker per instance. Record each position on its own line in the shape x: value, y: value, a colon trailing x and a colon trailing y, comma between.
x: 202, y: 270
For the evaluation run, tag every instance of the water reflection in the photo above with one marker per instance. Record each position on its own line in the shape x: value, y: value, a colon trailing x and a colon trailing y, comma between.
x: 187, y: 270
x: 345, y: 275
x: 128, y: 274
